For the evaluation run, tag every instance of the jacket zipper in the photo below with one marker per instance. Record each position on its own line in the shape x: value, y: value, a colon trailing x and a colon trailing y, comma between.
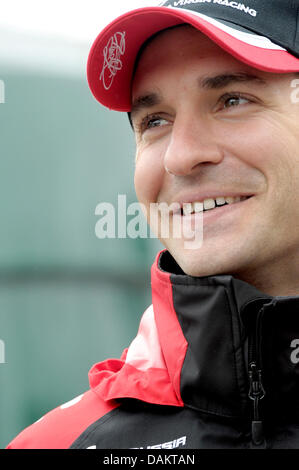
x: 256, y: 390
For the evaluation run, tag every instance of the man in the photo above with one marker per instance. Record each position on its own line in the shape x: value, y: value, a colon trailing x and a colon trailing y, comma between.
x: 210, y: 88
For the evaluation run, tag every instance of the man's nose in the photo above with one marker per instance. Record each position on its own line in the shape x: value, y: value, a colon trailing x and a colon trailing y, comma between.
x: 191, y: 144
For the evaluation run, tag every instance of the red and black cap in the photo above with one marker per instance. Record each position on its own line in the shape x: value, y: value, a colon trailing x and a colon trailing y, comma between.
x: 261, y: 33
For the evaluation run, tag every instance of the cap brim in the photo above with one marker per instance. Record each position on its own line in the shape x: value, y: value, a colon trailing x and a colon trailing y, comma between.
x: 112, y: 57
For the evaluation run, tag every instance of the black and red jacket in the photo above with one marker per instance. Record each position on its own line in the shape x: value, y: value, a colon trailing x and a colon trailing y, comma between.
x: 215, y: 364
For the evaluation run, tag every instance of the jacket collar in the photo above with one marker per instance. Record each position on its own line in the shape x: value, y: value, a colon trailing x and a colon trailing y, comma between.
x: 208, y: 313
x: 192, y: 344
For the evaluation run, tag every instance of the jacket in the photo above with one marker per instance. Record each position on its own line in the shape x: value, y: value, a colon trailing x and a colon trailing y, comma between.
x: 214, y: 365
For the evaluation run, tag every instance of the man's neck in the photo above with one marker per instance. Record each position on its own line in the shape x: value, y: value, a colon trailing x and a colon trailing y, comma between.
x: 277, y: 279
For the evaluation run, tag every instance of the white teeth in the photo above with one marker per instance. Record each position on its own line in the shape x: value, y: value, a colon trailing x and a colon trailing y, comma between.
x: 209, y: 204
x: 229, y: 200
x: 220, y: 201
x: 187, y: 208
x: 198, y: 206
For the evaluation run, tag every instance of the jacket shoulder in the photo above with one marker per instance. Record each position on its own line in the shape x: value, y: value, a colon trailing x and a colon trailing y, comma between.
x: 59, y: 428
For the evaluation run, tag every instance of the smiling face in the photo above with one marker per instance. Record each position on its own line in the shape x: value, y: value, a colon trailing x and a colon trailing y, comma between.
x: 209, y: 127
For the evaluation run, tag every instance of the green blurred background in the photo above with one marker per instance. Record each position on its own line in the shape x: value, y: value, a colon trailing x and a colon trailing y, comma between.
x: 67, y: 299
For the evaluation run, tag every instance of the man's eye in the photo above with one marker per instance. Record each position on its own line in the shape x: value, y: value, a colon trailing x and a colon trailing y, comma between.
x: 232, y: 100
x: 149, y: 122
x: 153, y: 123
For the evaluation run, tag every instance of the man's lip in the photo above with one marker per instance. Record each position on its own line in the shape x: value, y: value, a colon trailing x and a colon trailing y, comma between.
x: 213, y: 215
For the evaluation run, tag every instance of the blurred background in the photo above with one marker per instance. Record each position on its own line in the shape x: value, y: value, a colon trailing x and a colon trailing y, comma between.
x: 67, y: 298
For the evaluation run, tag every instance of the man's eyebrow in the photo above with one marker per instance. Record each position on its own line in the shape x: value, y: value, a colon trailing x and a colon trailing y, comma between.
x: 145, y: 101
x: 219, y: 81
x: 225, y: 79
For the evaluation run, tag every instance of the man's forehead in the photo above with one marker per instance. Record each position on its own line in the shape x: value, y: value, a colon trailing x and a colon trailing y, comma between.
x: 166, y: 50
x: 185, y: 47
x: 182, y: 46
x: 176, y: 40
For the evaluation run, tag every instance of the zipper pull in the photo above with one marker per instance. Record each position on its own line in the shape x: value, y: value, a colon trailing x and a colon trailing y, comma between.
x: 256, y: 393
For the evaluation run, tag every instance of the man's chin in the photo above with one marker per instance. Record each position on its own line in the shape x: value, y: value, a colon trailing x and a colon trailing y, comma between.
x: 195, y: 263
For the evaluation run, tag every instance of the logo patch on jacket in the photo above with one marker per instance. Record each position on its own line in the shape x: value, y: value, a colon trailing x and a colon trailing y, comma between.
x: 180, y: 442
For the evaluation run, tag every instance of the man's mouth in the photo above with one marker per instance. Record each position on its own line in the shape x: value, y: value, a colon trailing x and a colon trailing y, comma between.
x: 209, y: 204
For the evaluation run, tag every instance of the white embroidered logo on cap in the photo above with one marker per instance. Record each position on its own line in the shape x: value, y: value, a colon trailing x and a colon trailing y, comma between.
x: 115, y: 48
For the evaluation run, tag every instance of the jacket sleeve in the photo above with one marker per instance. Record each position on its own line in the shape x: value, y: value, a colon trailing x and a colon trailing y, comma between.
x: 59, y: 428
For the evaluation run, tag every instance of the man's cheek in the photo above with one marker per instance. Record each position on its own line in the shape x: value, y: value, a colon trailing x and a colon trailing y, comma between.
x: 148, y: 182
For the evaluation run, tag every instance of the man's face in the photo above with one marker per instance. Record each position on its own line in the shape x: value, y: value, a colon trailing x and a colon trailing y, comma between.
x: 210, y: 127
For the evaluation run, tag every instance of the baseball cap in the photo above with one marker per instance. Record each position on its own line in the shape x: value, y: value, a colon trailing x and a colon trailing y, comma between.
x: 261, y: 33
